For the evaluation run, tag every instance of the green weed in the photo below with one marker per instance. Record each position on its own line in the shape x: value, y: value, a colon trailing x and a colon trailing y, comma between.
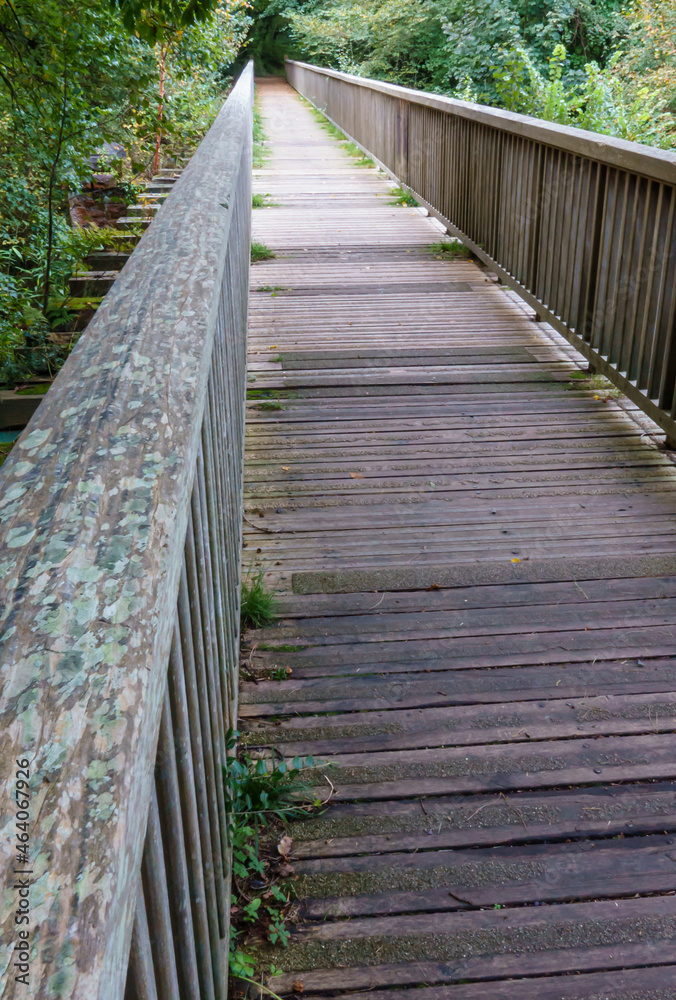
x: 350, y: 147
x: 259, y: 251
x: 599, y: 384
x: 259, y: 393
x: 402, y: 197
x: 271, y: 394
x: 34, y: 390
x: 285, y: 647
x: 453, y: 249
x: 92, y: 302
x: 260, y: 149
x: 260, y: 794
x: 258, y: 604
x: 279, y: 673
x: 333, y: 130
x: 261, y: 201
x: 360, y: 158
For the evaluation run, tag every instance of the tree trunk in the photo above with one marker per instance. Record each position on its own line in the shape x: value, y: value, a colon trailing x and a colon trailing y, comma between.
x: 50, y: 199
x: 160, y: 109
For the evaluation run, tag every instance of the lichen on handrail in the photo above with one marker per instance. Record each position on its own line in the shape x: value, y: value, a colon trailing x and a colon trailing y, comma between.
x: 93, y: 513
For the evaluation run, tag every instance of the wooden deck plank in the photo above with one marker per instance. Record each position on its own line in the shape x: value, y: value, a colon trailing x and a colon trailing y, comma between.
x: 473, y: 547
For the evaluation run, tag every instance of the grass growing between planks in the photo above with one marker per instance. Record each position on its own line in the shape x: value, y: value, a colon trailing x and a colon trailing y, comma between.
x: 351, y: 148
x: 259, y: 251
x: 262, y: 201
x: 599, y: 384
x: 402, y: 197
x: 449, y: 248
x: 358, y: 155
x: 261, y: 150
x: 262, y: 795
x: 258, y: 603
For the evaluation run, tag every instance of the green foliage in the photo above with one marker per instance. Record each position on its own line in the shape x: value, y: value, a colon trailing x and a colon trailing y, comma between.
x: 453, y: 249
x: 260, y: 149
x: 259, y: 794
x: 72, y: 77
x: 402, y: 197
x: 389, y: 39
x: 357, y: 154
x: 259, y: 251
x: 599, y: 102
x: 5, y: 448
x: 596, y: 64
x: 259, y: 790
x: 258, y: 604
x: 154, y: 22
x: 279, y: 673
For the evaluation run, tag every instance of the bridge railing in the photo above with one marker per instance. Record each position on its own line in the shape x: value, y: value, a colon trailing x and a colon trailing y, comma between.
x: 581, y: 225
x: 120, y: 518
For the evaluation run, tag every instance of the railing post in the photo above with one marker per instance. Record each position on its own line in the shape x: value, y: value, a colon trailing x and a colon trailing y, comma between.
x: 402, y: 141
x: 592, y: 267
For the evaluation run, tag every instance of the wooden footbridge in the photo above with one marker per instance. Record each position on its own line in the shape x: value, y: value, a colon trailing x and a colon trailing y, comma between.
x: 470, y: 531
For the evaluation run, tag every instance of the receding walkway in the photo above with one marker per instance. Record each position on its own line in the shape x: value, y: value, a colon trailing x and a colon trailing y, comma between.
x: 475, y: 551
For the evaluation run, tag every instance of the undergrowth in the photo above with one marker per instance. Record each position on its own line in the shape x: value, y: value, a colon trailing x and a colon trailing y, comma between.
x: 259, y: 251
x: 258, y: 603
x: 357, y: 154
x: 602, y: 387
x: 262, y: 201
x: 402, y: 197
x: 351, y: 148
x: 450, y: 249
x: 5, y: 448
x: 261, y: 796
x: 261, y: 151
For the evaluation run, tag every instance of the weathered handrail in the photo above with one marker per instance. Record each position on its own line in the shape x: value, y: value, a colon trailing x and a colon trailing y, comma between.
x: 120, y: 520
x: 581, y: 225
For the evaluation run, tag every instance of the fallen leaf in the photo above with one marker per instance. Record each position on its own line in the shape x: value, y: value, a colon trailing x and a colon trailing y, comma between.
x: 434, y: 586
x: 356, y: 475
x: 285, y: 468
x: 272, y: 347
x: 515, y: 560
x: 298, y: 986
x: 284, y: 846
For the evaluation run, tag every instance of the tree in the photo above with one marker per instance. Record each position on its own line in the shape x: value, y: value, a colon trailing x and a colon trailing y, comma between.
x: 73, y: 75
x: 648, y: 61
x: 66, y: 68
x: 162, y: 23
